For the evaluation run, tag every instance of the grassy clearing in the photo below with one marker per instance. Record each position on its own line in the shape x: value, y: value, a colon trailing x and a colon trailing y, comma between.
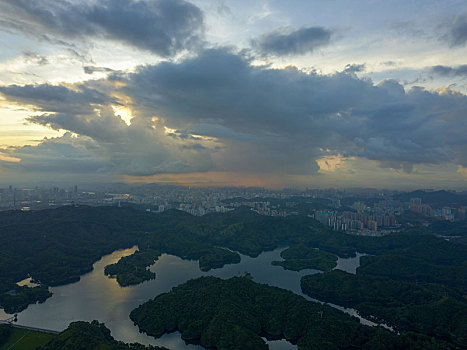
x: 23, y: 339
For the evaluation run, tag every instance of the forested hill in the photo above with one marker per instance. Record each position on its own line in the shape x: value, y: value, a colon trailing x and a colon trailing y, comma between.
x: 56, y: 246
x: 236, y: 313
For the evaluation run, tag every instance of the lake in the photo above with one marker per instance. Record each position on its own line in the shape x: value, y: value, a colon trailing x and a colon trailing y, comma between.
x: 97, y: 297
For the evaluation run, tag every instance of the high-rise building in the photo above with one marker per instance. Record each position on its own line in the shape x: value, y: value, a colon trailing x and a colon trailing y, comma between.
x: 372, y: 225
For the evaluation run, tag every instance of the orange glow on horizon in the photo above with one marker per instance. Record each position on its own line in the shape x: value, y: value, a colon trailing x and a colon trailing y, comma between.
x: 211, y: 179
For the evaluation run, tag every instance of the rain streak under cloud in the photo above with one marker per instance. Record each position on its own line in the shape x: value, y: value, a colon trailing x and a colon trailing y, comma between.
x: 234, y: 91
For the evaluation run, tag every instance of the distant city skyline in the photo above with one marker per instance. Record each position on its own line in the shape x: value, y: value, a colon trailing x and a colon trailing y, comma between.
x: 261, y: 93
x: 341, y: 209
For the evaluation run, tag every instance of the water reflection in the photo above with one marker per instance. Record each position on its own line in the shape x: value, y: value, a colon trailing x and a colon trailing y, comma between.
x: 97, y: 297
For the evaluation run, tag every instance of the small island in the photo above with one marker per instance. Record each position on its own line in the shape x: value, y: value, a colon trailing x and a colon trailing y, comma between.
x: 132, y: 269
x: 301, y: 257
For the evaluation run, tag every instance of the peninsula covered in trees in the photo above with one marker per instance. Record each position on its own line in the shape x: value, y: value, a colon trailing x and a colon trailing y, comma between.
x: 236, y: 314
x: 407, y: 306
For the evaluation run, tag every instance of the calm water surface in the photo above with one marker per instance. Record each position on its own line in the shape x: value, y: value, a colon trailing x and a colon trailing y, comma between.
x: 97, y: 297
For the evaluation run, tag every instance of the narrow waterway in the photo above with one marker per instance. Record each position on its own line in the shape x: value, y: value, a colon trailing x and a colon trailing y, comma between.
x: 97, y: 297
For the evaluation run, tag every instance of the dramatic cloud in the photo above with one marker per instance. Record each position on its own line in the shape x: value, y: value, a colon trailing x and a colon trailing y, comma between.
x: 104, y: 144
x: 56, y: 98
x: 450, y: 71
x: 457, y: 35
x: 143, y: 89
x: 142, y: 148
x: 164, y: 27
x: 63, y: 154
x: 290, y: 116
x: 292, y: 42
x: 218, y: 112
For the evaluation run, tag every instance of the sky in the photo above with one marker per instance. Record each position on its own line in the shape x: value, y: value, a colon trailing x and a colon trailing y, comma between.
x: 270, y: 93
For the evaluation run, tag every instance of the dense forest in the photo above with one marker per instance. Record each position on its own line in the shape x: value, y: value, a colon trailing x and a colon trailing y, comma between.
x: 418, y: 287
x: 57, y: 246
x: 430, y: 309
x: 14, y: 298
x: 236, y: 313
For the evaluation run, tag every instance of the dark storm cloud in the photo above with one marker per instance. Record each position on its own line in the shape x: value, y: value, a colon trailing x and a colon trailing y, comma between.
x: 284, y: 118
x: 457, y: 34
x: 458, y: 71
x: 225, y: 114
x: 219, y: 85
x: 297, y: 42
x: 56, y: 98
x: 164, y: 27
